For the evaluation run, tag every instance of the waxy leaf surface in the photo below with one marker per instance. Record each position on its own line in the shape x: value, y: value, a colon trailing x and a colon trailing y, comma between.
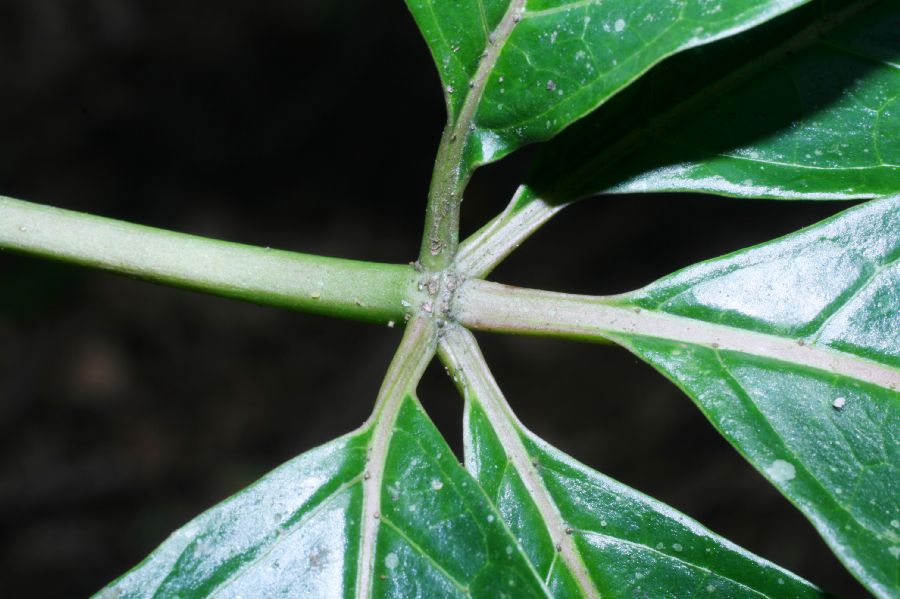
x: 297, y: 531
x: 804, y: 107
x: 589, y: 536
x: 630, y: 544
x: 516, y: 72
x: 792, y: 350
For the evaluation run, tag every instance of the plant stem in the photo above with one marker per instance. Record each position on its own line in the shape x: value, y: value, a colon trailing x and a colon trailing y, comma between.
x: 452, y: 168
x: 489, y: 246
x: 335, y: 287
x: 441, y: 236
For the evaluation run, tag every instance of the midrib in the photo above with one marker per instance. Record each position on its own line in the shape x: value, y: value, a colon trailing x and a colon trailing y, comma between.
x: 459, y: 348
x: 413, y: 356
x: 490, y: 306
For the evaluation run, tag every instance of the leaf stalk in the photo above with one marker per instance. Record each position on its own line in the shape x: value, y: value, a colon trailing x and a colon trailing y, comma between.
x: 351, y: 289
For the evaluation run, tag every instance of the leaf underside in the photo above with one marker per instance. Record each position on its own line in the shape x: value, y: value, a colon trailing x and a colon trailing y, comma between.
x: 296, y: 532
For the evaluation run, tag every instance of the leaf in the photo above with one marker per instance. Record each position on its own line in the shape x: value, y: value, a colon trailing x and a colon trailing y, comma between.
x: 826, y: 435
x: 515, y: 74
x: 386, y: 511
x: 805, y: 107
x: 588, y: 535
x: 296, y: 532
x: 791, y: 349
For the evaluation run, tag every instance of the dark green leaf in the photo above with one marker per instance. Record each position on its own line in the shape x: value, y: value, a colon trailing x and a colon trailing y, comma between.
x: 807, y: 106
x: 516, y: 73
x: 588, y: 535
x: 297, y: 533
x: 631, y: 544
x: 817, y: 410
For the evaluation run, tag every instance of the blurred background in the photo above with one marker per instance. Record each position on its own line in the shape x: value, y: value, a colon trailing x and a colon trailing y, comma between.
x: 310, y: 125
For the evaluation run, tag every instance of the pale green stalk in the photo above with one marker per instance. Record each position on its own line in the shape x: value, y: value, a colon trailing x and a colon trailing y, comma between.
x: 335, y: 287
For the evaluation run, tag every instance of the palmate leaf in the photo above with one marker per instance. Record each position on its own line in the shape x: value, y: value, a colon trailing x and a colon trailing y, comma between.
x: 517, y: 72
x: 791, y: 349
x: 588, y: 535
x: 298, y: 532
x: 807, y: 106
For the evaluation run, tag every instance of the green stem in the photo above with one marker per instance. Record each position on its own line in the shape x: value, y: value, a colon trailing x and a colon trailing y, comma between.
x: 441, y: 237
x: 486, y: 306
x: 335, y: 287
x: 452, y: 170
x: 492, y: 244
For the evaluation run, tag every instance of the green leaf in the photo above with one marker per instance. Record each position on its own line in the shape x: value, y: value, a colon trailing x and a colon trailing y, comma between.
x: 791, y: 349
x: 515, y: 74
x: 805, y: 107
x: 827, y: 437
x: 297, y: 531
x: 588, y: 535
x: 386, y: 511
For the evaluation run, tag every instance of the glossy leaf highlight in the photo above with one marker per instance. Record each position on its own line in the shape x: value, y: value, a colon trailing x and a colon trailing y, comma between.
x: 830, y: 442
x: 588, y: 535
x: 516, y: 72
x: 806, y: 107
x: 296, y: 532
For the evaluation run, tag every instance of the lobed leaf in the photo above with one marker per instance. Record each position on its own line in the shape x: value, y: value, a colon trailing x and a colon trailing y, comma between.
x: 805, y: 107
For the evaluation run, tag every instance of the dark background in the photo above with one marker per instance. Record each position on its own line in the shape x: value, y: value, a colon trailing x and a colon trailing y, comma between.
x: 126, y: 409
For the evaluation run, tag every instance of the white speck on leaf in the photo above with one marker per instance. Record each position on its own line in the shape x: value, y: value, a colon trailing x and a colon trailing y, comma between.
x: 620, y: 24
x: 781, y: 471
x: 391, y: 561
x: 437, y: 485
x: 839, y: 403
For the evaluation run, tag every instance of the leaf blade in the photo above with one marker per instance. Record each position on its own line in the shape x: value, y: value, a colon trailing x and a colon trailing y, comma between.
x: 620, y: 543
x: 382, y: 512
x: 811, y: 118
x: 271, y: 540
x: 790, y: 348
x: 554, y: 64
